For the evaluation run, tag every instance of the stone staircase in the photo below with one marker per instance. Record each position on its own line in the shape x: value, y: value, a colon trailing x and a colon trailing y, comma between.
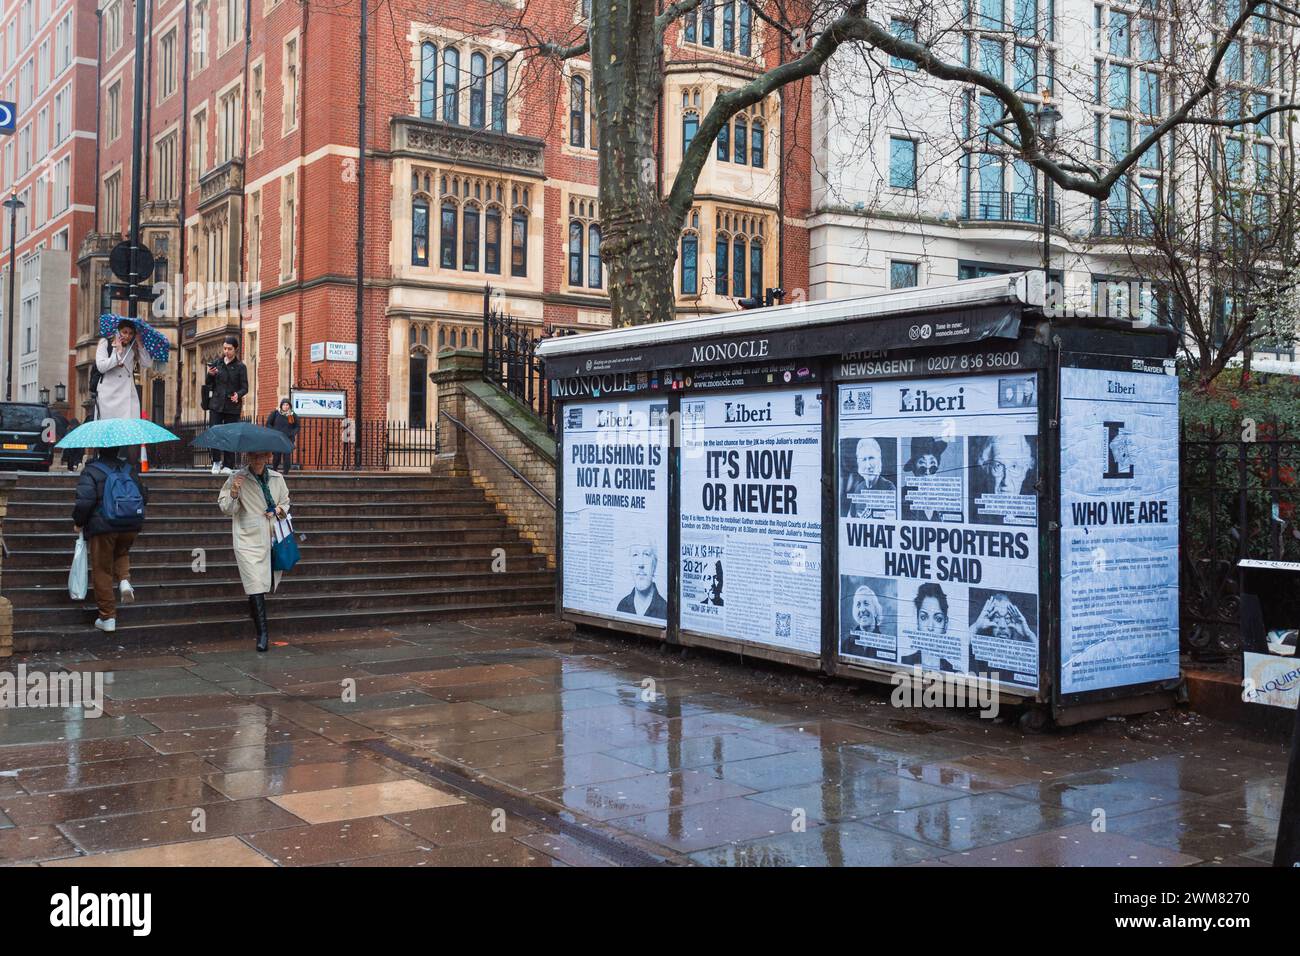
x: 376, y: 548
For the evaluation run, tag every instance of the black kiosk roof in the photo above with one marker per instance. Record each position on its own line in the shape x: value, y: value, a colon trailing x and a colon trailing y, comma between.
x: 971, y: 311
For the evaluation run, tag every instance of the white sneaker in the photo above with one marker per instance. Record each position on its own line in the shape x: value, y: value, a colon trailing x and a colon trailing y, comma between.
x: 128, y: 592
x: 216, y: 467
x: 226, y: 471
x: 108, y: 625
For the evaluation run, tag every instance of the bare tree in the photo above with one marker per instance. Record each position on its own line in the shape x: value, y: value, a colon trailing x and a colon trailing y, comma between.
x: 1221, y: 240
x: 626, y: 42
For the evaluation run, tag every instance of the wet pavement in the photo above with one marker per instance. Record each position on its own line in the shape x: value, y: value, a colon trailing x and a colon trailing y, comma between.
x: 517, y: 742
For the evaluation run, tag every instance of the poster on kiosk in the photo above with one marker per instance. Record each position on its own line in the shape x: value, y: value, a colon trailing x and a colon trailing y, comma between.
x: 615, y: 499
x: 751, y: 517
x: 938, y: 526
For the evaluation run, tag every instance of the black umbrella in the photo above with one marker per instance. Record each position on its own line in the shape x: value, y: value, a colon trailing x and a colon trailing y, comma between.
x: 243, y: 436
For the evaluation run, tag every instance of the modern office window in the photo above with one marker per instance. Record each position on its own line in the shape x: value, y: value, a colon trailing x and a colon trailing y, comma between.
x: 902, y: 163
x: 903, y: 275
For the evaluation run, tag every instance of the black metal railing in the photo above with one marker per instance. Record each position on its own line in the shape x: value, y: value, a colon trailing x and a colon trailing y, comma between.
x: 1238, y: 499
x: 322, y: 444
x: 510, y: 358
x: 1123, y: 222
x: 990, y: 206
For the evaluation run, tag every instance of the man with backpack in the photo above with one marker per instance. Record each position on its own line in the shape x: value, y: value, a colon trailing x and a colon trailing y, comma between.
x: 110, y: 512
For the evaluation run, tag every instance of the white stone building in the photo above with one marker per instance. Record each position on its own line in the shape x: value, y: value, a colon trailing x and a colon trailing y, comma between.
x: 910, y: 188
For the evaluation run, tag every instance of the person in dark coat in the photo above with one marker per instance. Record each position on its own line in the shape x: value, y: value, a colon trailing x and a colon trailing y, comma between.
x: 285, y: 422
x: 110, y: 547
x: 225, y: 385
x: 71, y: 456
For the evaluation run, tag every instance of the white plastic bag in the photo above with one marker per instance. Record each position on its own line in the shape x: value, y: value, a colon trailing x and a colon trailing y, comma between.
x: 79, y: 576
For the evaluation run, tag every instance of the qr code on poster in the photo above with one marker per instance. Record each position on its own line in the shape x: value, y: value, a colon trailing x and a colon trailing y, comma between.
x: 782, y: 625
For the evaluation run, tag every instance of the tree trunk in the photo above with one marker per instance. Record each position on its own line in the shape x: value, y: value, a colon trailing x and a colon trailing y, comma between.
x: 639, y: 231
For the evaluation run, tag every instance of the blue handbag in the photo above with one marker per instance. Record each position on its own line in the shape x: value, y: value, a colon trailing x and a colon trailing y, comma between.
x: 284, y: 551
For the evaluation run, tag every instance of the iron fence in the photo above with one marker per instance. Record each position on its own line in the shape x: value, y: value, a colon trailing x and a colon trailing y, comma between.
x: 322, y: 444
x: 510, y: 358
x: 1237, y: 500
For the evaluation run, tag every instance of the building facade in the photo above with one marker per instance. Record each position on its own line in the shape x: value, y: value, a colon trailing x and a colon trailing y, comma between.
x: 915, y: 183
x: 47, y: 70
x: 480, y: 172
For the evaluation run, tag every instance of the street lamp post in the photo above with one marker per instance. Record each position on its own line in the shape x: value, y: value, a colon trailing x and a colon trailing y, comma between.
x: 1047, y: 117
x: 13, y: 204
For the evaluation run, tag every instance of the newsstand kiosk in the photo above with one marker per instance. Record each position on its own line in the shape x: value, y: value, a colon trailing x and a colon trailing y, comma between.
x: 948, y: 482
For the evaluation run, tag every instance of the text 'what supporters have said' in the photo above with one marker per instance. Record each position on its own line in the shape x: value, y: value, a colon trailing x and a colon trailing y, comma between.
x: 751, y: 517
x: 615, y: 498
x: 938, y: 517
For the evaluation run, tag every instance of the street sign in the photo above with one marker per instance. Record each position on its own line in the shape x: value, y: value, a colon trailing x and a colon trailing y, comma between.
x: 318, y: 351
x: 133, y: 264
x: 340, y: 351
x: 8, y: 117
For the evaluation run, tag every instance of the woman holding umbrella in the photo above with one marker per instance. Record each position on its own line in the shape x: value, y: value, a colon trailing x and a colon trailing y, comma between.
x: 116, y: 396
x: 254, y: 497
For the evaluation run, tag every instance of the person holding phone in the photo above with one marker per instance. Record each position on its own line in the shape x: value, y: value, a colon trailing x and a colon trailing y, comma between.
x: 226, y: 383
x: 116, y: 360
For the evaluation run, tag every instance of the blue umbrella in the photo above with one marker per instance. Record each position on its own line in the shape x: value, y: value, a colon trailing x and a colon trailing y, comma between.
x: 114, y: 433
x: 243, y: 436
x: 153, y: 342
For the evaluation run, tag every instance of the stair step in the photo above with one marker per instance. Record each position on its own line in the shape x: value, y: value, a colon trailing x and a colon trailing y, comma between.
x: 233, y: 624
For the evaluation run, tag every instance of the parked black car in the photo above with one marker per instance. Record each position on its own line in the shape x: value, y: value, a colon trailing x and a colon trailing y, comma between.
x: 22, y: 445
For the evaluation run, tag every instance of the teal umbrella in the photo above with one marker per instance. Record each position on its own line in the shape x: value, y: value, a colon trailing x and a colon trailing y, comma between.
x: 114, y: 433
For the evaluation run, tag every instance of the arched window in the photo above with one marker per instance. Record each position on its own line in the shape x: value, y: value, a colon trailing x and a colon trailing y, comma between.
x: 464, y: 338
x: 688, y: 31
x: 724, y: 143
x: 738, y: 267
x: 728, y: 25
x: 442, y: 337
x: 577, y: 111
x: 478, y: 91
x: 469, y: 239
x: 417, y: 392
x: 742, y: 137
x: 428, y: 79
x: 499, y: 80
x: 756, y: 145
x: 756, y: 268
x: 450, y: 84
x: 474, y: 339
x: 447, y: 236
x: 690, y: 264
x: 690, y: 126
x: 519, y: 243
x: 746, y: 28
x: 420, y: 232
x: 492, y: 241
x: 722, y: 265
x: 594, y: 278
x: 575, y: 252
x: 706, y: 22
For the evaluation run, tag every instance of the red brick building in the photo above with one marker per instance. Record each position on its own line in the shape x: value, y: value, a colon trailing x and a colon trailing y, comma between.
x: 479, y: 170
x: 47, y: 69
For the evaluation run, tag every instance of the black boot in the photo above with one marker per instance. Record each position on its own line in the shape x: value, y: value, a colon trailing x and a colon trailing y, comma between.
x: 258, y: 602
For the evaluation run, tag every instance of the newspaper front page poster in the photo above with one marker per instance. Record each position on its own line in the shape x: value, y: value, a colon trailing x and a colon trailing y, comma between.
x: 938, y: 525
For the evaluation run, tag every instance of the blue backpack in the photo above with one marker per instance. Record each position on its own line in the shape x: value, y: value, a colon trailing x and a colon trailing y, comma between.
x: 123, y: 504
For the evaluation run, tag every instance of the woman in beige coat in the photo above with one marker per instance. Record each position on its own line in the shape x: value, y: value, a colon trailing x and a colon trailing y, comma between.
x: 245, y: 498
